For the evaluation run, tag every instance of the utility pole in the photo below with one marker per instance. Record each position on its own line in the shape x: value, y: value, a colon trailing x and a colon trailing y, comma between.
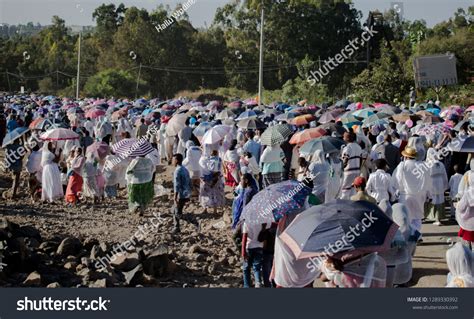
x: 138, y: 80
x: 260, y: 77
x: 78, y: 67
x: 9, y: 85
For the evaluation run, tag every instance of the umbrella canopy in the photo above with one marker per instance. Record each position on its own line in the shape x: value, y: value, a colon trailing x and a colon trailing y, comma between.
x: 14, y: 135
x: 272, y: 203
x: 59, y: 134
x: 329, y: 229
x: 364, y: 113
x: 95, y: 113
x: 225, y: 114
x: 216, y: 134
x: 470, y: 109
x: 334, y: 128
x: 251, y: 124
x: 302, y: 120
x: 466, y: 146
x: 328, y: 117
x: 176, y: 124
x: 275, y: 135
x: 247, y: 115
x: 286, y: 116
x: 75, y: 110
x: 131, y: 147
x: 327, y: 144
x: 40, y: 124
x: 201, y: 129
x: 99, y: 149
x: 403, y: 117
x: 306, y: 135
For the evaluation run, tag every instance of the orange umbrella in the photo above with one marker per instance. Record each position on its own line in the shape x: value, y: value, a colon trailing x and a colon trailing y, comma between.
x: 306, y: 135
x: 302, y: 120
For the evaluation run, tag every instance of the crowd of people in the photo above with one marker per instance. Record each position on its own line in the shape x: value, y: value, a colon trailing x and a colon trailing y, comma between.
x: 411, y: 162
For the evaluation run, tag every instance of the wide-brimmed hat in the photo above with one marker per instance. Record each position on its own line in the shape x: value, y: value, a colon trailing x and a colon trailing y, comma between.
x: 409, y: 152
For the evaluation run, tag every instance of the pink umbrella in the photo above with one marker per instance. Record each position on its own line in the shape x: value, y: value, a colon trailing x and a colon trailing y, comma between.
x: 99, y: 149
x: 95, y: 113
x: 470, y: 109
x: 59, y: 134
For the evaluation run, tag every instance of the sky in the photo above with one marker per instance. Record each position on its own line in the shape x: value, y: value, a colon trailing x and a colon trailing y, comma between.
x: 79, y: 12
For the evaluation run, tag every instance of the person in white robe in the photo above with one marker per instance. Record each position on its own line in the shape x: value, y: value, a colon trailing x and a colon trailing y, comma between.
x: 318, y: 171
x: 351, y: 156
x: 52, y: 188
x: 191, y: 162
x: 335, y: 177
x: 460, y: 260
x: 379, y: 184
x: 438, y: 184
x: 467, y: 181
x: 411, y: 181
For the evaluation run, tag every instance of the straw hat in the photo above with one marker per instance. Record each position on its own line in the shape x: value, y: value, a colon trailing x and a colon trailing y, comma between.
x: 409, y: 152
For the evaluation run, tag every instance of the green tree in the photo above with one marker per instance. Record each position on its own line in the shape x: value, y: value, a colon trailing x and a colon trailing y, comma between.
x: 111, y: 83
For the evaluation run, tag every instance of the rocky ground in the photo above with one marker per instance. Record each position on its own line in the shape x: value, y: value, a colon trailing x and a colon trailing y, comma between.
x: 56, y: 246
x: 59, y: 246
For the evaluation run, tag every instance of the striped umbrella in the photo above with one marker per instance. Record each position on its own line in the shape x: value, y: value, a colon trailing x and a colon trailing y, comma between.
x: 131, y: 147
x: 275, y: 135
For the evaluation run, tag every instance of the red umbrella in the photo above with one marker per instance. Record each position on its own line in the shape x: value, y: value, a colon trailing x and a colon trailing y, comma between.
x: 306, y: 135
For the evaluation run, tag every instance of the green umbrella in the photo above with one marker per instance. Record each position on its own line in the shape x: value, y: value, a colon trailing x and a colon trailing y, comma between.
x: 275, y: 134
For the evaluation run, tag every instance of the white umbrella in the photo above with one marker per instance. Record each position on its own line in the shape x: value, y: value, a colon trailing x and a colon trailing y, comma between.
x: 176, y: 124
x: 216, y: 134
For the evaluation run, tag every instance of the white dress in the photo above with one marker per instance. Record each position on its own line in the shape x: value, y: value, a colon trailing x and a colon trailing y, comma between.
x: 51, y: 178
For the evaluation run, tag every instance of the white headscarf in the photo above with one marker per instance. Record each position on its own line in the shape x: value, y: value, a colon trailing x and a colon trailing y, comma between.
x: 271, y: 154
x: 460, y: 263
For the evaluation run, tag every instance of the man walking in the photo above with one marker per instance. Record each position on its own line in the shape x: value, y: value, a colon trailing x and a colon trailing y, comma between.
x: 182, y: 190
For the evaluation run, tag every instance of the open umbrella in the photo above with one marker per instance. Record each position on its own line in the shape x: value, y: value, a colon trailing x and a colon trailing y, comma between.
x: 201, y: 129
x: 225, y: 114
x: 328, y: 117
x: 99, y: 149
x: 405, y: 116
x: 286, y: 116
x: 40, y: 124
x: 302, y: 120
x: 306, y: 135
x: 343, y: 229
x: 131, y: 147
x: 59, y: 134
x: 251, y: 124
x: 176, y: 124
x: 14, y: 135
x: 327, y: 144
x: 275, y: 135
x: 364, y: 113
x: 466, y: 145
x: 333, y: 128
x: 216, y: 134
x: 247, y: 115
x: 273, y: 202
x: 95, y: 113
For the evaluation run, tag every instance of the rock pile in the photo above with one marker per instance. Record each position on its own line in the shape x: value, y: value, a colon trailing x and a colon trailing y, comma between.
x: 29, y: 260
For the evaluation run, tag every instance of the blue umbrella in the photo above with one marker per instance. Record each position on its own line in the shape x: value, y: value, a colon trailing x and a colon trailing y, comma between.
x: 343, y: 229
x: 13, y: 135
x: 247, y: 115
